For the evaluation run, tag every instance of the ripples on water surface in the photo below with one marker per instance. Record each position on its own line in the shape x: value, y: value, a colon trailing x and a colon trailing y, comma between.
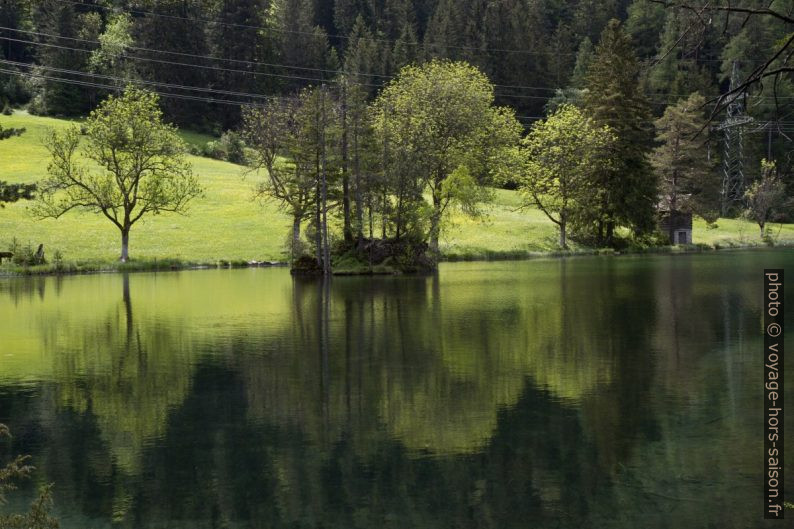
x: 594, y: 392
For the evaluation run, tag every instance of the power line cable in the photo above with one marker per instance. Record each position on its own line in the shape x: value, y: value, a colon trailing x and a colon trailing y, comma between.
x: 111, y: 87
x: 190, y: 65
x: 309, y: 33
x: 336, y: 36
x: 141, y: 81
x: 270, y: 65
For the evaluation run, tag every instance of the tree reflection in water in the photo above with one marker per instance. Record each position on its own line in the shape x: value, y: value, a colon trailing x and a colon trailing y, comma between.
x: 551, y: 394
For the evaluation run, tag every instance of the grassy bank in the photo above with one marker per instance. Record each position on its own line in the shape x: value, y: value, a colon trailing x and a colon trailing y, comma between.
x: 227, y: 226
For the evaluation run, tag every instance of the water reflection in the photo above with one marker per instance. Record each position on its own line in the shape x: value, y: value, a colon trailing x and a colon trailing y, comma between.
x: 595, y: 392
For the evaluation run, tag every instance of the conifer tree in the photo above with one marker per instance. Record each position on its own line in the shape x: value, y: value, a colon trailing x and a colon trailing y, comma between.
x: 614, y: 98
x: 346, y: 13
x: 173, y: 28
x: 644, y: 22
x: 584, y: 57
x: 677, y: 71
x: 406, y: 49
x: 363, y: 59
x: 58, y: 18
x: 688, y: 181
x: 301, y: 42
x: 238, y: 38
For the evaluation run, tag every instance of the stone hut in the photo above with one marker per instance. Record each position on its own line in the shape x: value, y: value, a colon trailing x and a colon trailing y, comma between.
x: 677, y: 225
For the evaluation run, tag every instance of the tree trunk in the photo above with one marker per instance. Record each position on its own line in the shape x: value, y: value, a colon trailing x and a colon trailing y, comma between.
x: 125, y: 244
x: 296, y: 236
x: 563, y: 235
x: 762, y: 229
x: 347, y: 229
x: 383, y: 220
x: 610, y: 232
x: 357, y: 171
x: 435, y: 229
x: 318, y: 239
x: 326, y: 250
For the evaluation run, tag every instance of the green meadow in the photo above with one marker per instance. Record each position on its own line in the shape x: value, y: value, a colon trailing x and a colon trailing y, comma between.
x: 227, y: 224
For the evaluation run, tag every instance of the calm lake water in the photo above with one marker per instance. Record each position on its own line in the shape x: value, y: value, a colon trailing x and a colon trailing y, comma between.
x: 590, y: 392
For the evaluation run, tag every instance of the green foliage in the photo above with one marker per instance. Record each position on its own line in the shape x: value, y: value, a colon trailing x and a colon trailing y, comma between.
x: 614, y: 98
x: 10, y: 133
x: 564, y: 156
x: 300, y: 42
x: 230, y: 147
x: 364, y: 57
x: 467, y: 193
x: 142, y: 161
x: 38, y: 517
x: 25, y: 255
x: 51, y: 97
x: 223, y: 225
x: 766, y: 197
x: 433, y: 120
x: 565, y: 96
x: 643, y: 21
x: 688, y: 180
x: 677, y: 71
x: 13, y: 192
x: 584, y: 56
x: 109, y: 58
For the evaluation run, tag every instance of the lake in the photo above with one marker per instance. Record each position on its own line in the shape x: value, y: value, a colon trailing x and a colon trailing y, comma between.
x: 587, y: 392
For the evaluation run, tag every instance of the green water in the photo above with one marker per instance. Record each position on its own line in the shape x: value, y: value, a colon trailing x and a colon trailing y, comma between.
x: 591, y: 392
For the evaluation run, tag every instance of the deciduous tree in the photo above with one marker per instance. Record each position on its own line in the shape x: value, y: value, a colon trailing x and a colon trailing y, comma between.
x: 439, y: 117
x: 137, y: 166
x: 765, y: 197
x: 563, y: 155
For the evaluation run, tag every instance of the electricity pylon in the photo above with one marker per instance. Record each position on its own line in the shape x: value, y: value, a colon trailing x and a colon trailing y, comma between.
x: 733, y: 146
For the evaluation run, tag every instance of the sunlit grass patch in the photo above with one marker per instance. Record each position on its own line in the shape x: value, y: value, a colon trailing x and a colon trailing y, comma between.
x: 226, y: 224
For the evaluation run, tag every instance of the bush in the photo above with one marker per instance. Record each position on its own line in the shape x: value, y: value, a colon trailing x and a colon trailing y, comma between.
x: 7, y: 110
x: 38, y: 516
x: 14, y: 91
x: 195, y: 150
x: 234, y: 146
x: 26, y: 255
x: 230, y: 147
x: 214, y: 149
x: 37, y: 105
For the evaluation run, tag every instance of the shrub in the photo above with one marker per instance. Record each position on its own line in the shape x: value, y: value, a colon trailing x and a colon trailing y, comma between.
x: 195, y: 150
x: 214, y: 149
x: 234, y: 147
x: 37, y: 105
x: 38, y: 516
x: 230, y: 147
x: 25, y: 255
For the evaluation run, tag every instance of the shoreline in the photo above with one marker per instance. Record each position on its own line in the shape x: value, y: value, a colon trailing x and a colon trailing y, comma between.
x: 175, y: 265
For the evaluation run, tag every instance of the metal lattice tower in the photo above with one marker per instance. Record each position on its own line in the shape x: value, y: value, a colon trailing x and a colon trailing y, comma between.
x: 733, y: 146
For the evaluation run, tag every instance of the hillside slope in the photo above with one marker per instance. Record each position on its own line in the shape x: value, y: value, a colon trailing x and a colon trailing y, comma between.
x: 226, y: 223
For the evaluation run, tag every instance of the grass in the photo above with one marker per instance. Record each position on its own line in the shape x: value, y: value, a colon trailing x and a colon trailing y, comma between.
x: 226, y: 225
